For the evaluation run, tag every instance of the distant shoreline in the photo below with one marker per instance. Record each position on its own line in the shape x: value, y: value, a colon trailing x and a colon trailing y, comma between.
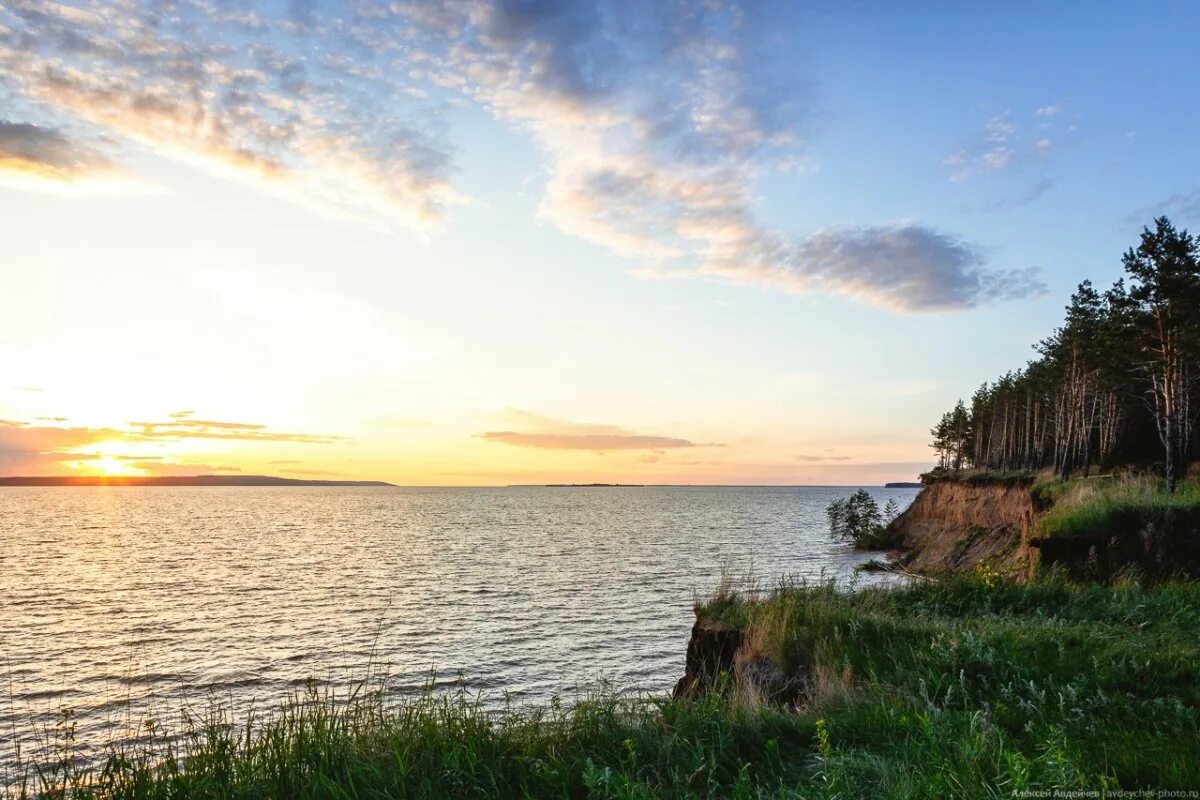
x: 576, y: 485
x: 269, y: 480
x: 177, y: 480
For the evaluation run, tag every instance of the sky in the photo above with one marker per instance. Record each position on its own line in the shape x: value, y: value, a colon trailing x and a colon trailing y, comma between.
x: 484, y: 243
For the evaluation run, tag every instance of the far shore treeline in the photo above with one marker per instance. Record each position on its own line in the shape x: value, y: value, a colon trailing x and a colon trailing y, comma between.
x: 1115, y: 384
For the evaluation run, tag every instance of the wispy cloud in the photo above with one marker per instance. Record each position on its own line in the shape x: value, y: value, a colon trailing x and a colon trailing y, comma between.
x: 182, y: 425
x: 657, y: 132
x: 549, y: 433
x: 656, y: 122
x: 598, y: 442
x: 906, y: 268
x: 234, y: 89
x: 1006, y: 143
x: 1031, y: 195
x: 1181, y: 206
x: 34, y: 156
x: 54, y: 449
x: 33, y: 449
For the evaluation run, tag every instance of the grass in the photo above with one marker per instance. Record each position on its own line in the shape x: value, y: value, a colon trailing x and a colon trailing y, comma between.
x: 1122, y: 506
x: 977, y: 687
x: 979, y: 477
x: 449, y: 746
x: 971, y: 687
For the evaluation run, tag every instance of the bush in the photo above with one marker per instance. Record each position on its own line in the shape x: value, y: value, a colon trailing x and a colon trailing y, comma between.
x: 858, y: 519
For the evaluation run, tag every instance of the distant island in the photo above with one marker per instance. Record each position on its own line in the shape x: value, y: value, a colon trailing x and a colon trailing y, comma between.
x: 174, y: 480
x: 572, y: 485
x: 902, y: 485
x: 590, y: 485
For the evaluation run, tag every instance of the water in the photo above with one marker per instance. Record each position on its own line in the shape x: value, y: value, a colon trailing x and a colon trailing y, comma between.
x: 124, y: 602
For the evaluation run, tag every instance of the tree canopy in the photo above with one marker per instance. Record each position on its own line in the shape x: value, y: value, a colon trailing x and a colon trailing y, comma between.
x: 1115, y: 384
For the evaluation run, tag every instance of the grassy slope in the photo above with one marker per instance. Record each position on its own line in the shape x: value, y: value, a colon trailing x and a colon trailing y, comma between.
x: 971, y: 687
x: 1107, y: 507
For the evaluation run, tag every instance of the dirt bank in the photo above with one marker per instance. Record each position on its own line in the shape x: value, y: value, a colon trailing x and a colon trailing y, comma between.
x: 956, y: 525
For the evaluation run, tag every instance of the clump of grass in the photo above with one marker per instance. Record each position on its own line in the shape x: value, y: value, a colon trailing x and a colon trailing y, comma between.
x: 1045, y: 492
x: 968, y: 687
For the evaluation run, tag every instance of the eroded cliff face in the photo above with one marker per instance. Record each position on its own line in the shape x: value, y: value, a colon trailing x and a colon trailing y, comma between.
x: 724, y: 657
x: 955, y: 525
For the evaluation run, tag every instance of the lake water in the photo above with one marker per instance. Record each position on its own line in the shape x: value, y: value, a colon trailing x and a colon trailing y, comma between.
x: 124, y: 602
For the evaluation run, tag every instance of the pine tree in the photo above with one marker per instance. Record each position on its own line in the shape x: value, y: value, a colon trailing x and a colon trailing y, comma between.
x: 1164, y: 301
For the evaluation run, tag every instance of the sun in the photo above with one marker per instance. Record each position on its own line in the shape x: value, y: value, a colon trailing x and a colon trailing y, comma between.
x: 110, y: 465
x: 105, y: 460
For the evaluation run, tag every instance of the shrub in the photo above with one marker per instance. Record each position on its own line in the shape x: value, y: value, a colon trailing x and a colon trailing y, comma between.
x: 858, y: 519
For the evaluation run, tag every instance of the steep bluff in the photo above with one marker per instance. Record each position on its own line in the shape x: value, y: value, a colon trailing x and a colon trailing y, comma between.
x: 718, y: 653
x: 955, y: 525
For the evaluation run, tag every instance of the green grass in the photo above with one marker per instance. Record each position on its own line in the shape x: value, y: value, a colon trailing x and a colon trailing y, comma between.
x: 974, y: 685
x: 1045, y: 492
x: 979, y: 477
x: 971, y: 687
x: 1128, y: 506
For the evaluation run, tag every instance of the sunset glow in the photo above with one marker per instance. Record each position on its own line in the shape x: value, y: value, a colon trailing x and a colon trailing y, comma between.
x: 107, y: 465
x: 489, y: 248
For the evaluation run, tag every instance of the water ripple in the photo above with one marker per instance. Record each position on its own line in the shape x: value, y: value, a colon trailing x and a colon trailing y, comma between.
x: 129, y: 601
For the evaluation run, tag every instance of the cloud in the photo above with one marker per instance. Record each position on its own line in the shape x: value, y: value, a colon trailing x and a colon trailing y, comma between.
x: 814, y: 459
x: 52, y: 449
x: 1003, y: 145
x: 1183, y: 207
x: 550, y: 433
x: 599, y: 442
x: 237, y: 91
x: 906, y: 268
x: 656, y: 121
x: 657, y: 132
x: 1032, y: 194
x: 32, y: 154
x: 33, y: 449
x: 182, y: 426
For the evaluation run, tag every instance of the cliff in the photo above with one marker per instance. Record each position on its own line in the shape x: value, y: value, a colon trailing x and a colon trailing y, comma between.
x: 957, y: 525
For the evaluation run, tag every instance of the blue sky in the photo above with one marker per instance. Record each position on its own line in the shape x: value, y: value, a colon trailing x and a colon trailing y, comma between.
x: 474, y: 242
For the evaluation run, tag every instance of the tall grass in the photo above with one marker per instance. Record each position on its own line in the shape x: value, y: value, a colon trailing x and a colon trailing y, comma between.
x: 1122, y: 506
x: 966, y: 688
x: 451, y: 746
x: 977, y: 685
